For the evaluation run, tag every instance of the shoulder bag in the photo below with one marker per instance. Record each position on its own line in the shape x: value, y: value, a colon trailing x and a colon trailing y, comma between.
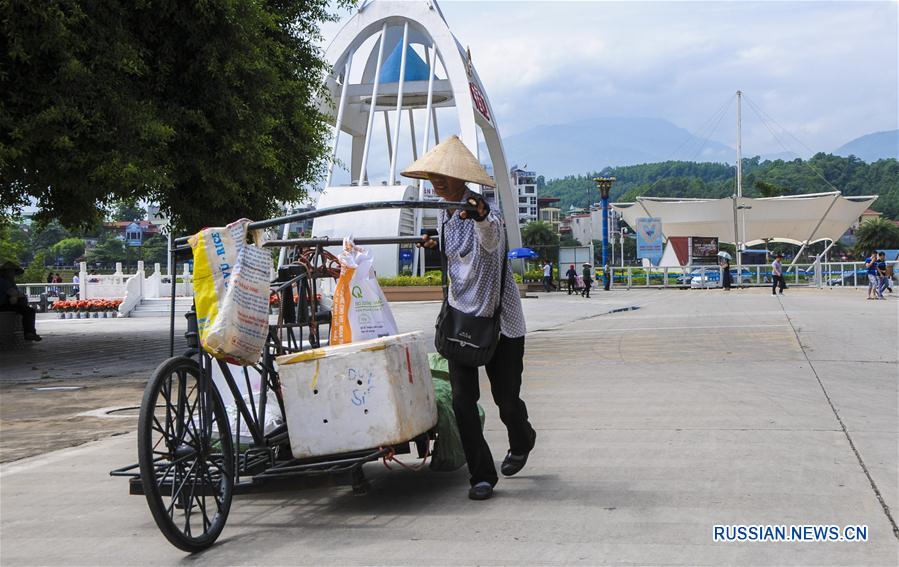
x: 467, y: 340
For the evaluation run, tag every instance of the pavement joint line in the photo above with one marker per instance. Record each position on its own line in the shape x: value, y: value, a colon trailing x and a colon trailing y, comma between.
x: 586, y: 318
x: 801, y: 429
x: 857, y: 361
x: 684, y: 328
x: 858, y: 456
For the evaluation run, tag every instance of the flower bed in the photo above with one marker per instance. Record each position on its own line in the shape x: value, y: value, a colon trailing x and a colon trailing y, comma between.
x: 87, y: 308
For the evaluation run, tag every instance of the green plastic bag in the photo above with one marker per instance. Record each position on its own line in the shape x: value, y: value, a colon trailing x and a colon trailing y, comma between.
x: 448, y: 454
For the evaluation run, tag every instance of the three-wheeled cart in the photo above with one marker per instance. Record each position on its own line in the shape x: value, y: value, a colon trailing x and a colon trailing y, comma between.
x: 193, y: 457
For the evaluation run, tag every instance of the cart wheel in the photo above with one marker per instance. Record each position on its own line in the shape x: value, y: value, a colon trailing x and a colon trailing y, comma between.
x: 186, y: 454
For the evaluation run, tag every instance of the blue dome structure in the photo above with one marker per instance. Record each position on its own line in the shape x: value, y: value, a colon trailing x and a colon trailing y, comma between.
x: 416, y: 68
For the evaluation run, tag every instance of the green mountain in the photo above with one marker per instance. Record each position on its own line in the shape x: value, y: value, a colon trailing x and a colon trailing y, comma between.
x: 820, y: 173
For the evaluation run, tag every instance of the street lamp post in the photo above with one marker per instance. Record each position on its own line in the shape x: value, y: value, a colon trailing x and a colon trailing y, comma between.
x: 604, y: 184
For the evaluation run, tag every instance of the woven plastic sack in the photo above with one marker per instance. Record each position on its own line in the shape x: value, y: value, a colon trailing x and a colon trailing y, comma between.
x: 231, y: 289
x: 448, y: 454
x: 360, y: 310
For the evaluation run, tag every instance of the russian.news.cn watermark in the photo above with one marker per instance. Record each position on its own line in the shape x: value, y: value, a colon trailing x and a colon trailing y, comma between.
x: 810, y: 533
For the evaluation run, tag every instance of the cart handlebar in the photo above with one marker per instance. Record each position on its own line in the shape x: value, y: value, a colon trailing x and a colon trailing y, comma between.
x: 376, y: 205
x: 326, y: 241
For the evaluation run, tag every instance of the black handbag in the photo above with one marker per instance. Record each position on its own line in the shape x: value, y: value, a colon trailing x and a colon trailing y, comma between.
x: 467, y: 340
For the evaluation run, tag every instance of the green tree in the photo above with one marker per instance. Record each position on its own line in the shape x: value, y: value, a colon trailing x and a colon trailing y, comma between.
x: 36, y: 272
x: 766, y: 189
x: 11, y: 250
x: 876, y: 234
x: 823, y: 172
x: 154, y: 249
x: 44, y: 237
x: 128, y: 211
x: 207, y: 108
x: 540, y: 236
x: 569, y: 240
x: 110, y: 250
x: 67, y: 251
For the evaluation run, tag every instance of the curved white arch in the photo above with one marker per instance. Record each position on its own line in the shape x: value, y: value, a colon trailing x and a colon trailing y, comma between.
x: 462, y: 85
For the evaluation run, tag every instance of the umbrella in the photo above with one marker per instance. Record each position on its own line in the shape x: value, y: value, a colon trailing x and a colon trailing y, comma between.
x: 522, y: 253
x: 725, y: 255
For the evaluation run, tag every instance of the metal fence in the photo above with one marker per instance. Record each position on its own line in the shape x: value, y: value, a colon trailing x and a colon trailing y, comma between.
x: 829, y: 274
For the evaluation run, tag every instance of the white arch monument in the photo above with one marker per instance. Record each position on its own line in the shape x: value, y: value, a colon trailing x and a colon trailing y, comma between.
x: 398, y: 62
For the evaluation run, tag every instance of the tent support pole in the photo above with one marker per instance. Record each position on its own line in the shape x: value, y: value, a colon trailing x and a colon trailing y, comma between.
x: 815, y: 230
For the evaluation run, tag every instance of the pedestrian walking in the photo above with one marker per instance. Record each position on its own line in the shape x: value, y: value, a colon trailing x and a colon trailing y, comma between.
x: 587, y: 274
x: 891, y: 268
x: 571, y: 274
x: 882, y: 274
x: 480, y: 282
x: 75, y: 288
x: 548, y: 277
x: 606, y: 277
x: 777, y: 275
x: 873, y: 276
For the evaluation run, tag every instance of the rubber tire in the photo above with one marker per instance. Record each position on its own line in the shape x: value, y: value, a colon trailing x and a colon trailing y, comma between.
x: 145, y: 432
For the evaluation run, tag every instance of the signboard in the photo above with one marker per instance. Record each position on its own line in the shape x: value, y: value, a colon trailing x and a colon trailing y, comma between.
x: 703, y: 249
x: 650, y: 243
x: 577, y: 255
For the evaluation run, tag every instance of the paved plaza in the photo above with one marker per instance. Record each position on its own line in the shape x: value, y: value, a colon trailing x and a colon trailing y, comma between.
x: 696, y: 408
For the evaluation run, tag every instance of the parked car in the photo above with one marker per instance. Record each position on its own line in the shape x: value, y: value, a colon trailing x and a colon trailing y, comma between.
x: 712, y: 278
x: 847, y: 277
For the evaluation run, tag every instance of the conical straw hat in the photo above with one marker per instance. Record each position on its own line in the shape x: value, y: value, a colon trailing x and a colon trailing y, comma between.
x: 452, y: 159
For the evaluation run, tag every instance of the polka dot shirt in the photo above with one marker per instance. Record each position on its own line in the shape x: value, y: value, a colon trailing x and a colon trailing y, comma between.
x: 474, y: 252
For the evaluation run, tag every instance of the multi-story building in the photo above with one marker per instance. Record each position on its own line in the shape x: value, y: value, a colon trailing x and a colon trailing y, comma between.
x: 549, y: 212
x: 581, y: 227
x: 525, y: 184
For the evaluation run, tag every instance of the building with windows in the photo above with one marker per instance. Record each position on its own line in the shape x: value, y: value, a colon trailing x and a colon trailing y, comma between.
x: 549, y: 212
x: 524, y: 183
x: 580, y: 227
x: 133, y: 233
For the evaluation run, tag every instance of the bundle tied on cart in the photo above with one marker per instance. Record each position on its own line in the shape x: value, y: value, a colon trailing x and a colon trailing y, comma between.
x: 360, y: 311
x: 231, y: 292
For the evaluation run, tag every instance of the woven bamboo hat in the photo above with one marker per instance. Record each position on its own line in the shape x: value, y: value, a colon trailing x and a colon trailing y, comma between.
x: 452, y: 159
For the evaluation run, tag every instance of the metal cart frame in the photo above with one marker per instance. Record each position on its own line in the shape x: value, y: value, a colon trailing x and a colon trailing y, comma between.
x: 192, y: 458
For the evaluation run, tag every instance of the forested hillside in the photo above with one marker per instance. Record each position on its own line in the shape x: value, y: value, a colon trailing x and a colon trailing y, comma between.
x: 850, y: 175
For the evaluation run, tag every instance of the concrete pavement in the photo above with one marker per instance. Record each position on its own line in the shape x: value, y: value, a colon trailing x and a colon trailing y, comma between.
x: 700, y: 408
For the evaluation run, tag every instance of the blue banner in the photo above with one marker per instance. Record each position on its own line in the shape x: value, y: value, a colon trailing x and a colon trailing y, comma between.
x: 650, y: 241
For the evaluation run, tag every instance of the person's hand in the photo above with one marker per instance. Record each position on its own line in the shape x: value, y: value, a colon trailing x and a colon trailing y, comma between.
x: 427, y: 242
x: 483, y: 209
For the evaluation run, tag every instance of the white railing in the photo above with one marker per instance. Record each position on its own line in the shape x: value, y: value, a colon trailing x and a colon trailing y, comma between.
x: 131, y: 288
x: 820, y: 274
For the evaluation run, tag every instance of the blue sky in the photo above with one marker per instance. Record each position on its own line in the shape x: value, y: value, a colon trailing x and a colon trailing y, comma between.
x: 825, y: 71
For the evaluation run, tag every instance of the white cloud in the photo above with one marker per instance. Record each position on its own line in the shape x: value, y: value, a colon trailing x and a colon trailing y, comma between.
x: 827, y: 71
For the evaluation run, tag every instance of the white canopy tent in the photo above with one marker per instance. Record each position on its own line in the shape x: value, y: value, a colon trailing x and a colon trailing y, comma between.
x: 795, y: 219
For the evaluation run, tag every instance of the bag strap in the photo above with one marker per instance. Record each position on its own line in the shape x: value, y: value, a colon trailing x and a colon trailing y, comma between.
x: 444, y: 262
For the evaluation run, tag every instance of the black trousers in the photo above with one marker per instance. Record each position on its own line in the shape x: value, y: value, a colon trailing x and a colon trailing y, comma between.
x: 778, y: 281
x: 504, y: 371
x: 571, y: 283
x: 27, y: 313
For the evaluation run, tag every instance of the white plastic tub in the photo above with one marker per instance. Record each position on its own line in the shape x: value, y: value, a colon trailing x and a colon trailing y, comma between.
x: 357, y: 396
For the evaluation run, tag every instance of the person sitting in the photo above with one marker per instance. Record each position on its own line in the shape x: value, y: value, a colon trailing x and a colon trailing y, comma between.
x: 11, y: 299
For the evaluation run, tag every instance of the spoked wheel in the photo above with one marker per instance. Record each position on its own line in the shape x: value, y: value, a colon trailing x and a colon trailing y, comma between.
x: 186, y: 454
